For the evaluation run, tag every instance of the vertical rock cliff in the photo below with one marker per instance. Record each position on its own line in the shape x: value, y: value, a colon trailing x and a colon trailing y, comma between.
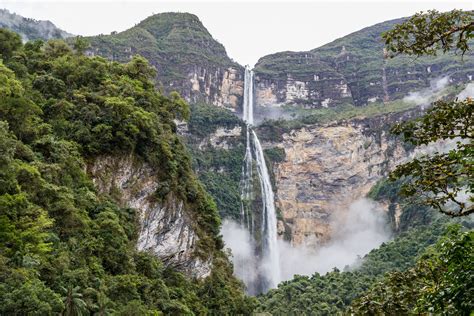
x: 166, y: 228
x: 299, y: 78
x: 353, y: 69
x: 328, y: 167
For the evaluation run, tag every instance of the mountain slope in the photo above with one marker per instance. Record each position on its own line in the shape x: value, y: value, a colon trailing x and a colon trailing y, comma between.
x: 98, y: 200
x: 30, y: 29
x: 352, y: 69
x: 188, y: 59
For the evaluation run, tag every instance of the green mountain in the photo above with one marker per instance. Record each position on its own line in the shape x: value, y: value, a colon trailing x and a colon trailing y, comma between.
x: 100, y: 210
x: 353, y: 69
x: 188, y: 59
x: 30, y: 29
x: 108, y: 206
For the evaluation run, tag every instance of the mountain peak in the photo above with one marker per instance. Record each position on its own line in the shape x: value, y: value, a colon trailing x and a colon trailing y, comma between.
x: 186, y: 24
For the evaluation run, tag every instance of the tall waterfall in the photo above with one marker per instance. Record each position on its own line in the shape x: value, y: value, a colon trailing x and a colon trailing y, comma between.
x: 267, y: 248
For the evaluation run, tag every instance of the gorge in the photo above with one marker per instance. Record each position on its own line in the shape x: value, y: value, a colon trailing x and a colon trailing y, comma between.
x: 157, y: 172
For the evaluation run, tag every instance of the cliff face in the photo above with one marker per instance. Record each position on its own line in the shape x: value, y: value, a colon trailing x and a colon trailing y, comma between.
x: 353, y: 70
x: 318, y: 170
x: 299, y: 78
x: 325, y: 169
x: 187, y: 58
x: 166, y: 230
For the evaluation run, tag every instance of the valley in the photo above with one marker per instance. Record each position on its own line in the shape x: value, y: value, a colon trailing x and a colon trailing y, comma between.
x: 168, y: 178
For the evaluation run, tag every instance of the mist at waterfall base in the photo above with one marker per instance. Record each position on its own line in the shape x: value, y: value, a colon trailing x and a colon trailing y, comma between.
x: 356, y: 231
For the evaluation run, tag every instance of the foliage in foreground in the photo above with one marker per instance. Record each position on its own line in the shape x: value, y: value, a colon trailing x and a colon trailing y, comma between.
x: 64, y: 248
x: 425, y: 33
x: 440, y: 283
x: 333, y: 293
x: 443, y: 178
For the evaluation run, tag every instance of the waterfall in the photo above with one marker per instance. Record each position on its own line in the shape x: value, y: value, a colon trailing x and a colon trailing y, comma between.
x: 248, y: 96
x: 269, y: 223
x: 269, y: 263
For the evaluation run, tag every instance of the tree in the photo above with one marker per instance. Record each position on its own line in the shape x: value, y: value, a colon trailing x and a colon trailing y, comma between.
x: 443, y: 179
x: 81, y: 45
x: 427, y: 33
x: 440, y: 283
x: 74, y: 305
x: 9, y: 43
x: 104, y: 305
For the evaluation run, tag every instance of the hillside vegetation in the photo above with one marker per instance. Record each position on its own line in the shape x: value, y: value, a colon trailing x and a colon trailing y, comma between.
x: 64, y: 248
x: 334, y: 292
x: 172, y: 42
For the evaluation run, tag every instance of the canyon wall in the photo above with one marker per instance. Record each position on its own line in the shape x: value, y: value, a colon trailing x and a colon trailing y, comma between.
x: 318, y: 170
x: 166, y: 229
x: 326, y: 168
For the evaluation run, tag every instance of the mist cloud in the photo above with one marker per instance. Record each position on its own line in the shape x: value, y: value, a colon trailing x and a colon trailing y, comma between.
x: 427, y: 95
x: 356, y: 231
x: 239, y: 240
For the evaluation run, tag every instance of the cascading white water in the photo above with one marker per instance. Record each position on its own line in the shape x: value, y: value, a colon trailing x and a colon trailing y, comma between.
x: 246, y: 182
x: 248, y: 96
x: 270, y: 261
x: 269, y: 223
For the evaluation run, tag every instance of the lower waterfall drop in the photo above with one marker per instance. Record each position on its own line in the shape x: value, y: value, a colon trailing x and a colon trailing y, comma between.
x: 266, y: 247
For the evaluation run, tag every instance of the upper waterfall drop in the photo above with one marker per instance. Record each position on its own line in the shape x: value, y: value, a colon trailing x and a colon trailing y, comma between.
x: 248, y: 96
x: 269, y: 265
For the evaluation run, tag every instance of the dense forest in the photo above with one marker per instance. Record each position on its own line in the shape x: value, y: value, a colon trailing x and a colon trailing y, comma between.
x: 64, y: 248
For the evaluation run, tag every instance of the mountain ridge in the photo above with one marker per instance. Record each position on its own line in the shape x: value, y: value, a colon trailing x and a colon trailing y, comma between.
x: 349, y: 70
x: 355, y: 71
x: 31, y: 29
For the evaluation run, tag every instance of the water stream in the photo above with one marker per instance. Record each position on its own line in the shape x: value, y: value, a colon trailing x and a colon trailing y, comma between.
x: 265, y: 239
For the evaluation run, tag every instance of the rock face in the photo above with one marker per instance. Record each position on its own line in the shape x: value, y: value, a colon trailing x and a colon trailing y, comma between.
x: 221, y: 138
x: 311, y: 81
x: 326, y: 168
x: 223, y: 87
x: 165, y: 228
x: 187, y: 58
x: 353, y: 70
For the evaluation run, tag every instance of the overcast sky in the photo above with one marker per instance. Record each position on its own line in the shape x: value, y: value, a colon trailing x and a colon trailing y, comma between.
x: 248, y: 29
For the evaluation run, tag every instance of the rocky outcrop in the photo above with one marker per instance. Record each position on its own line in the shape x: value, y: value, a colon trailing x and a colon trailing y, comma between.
x: 166, y: 230
x: 311, y: 81
x: 328, y: 167
x: 222, y: 138
x: 212, y: 85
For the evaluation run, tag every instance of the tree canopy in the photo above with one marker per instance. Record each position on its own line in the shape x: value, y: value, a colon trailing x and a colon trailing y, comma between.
x: 445, y: 179
x: 425, y: 33
x: 66, y: 248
